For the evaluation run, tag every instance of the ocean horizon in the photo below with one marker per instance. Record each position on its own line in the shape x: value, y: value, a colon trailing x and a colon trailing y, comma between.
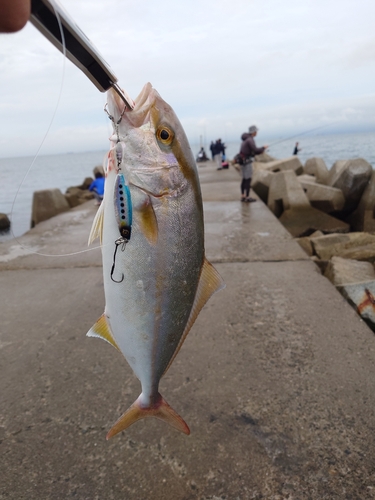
x: 70, y: 169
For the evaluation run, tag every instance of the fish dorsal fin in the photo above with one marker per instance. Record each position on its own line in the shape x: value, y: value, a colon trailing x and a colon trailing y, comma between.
x: 97, y: 225
x: 210, y: 282
x: 102, y: 330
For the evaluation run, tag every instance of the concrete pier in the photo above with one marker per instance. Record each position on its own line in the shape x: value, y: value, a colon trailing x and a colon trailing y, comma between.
x: 276, y: 379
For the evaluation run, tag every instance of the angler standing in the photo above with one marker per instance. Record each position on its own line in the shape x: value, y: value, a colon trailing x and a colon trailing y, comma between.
x: 218, y: 154
x: 247, y: 152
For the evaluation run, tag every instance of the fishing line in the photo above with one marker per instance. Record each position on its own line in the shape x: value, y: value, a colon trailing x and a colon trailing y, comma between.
x: 303, y: 133
x: 40, y: 147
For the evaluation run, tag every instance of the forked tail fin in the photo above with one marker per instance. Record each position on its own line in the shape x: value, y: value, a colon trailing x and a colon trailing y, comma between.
x: 160, y: 409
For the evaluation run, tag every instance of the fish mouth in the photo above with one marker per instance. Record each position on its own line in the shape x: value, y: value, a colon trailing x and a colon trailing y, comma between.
x: 132, y: 117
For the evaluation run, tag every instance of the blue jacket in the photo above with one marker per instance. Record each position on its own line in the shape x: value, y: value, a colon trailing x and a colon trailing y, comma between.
x: 98, y: 186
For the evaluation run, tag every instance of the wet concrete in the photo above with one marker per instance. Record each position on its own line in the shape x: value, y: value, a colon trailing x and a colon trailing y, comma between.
x: 276, y: 379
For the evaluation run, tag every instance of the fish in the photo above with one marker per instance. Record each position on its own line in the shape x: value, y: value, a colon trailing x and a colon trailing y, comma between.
x: 150, y: 225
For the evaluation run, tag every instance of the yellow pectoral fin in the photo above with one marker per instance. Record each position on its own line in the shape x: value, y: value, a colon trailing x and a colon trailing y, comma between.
x: 97, y: 225
x: 147, y: 221
x: 102, y: 330
x: 210, y: 282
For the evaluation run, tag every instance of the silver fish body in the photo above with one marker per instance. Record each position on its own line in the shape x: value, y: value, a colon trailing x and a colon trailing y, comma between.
x: 156, y: 277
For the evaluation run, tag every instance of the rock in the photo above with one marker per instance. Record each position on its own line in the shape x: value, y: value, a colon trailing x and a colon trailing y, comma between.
x: 336, y: 244
x: 285, y: 192
x: 316, y: 234
x: 304, y: 221
x: 261, y: 183
x: 292, y: 163
x: 352, y: 178
x: 322, y: 264
x: 305, y: 242
x: 344, y: 271
x: 4, y: 222
x: 362, y: 219
x: 306, y: 245
x: 324, y: 198
x: 317, y: 168
x: 47, y: 204
x: 364, y: 252
x: 361, y: 296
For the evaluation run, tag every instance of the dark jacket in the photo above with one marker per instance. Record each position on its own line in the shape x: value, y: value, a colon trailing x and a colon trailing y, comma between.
x: 218, y: 148
x: 248, y: 147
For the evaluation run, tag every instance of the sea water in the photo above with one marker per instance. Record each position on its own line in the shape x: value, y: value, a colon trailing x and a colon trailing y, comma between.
x: 64, y: 170
x: 47, y: 172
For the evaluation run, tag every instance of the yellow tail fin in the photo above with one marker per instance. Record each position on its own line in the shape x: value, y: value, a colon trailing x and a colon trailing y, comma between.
x: 160, y: 409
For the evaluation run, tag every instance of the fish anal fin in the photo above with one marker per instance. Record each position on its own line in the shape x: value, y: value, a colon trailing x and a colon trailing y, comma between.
x: 147, y: 221
x: 210, y: 282
x: 97, y: 225
x: 102, y: 330
x: 160, y: 409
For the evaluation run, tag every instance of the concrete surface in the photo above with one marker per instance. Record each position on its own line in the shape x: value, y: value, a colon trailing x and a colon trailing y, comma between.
x: 276, y: 379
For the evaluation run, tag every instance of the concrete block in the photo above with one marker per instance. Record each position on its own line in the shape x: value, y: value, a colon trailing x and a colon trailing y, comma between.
x: 292, y: 163
x: 352, y: 178
x: 317, y: 168
x: 4, y: 222
x: 264, y: 158
x: 306, y: 178
x: 285, y: 192
x: 363, y: 218
x: 46, y: 204
x: 342, y: 271
x: 324, y: 198
x: 337, y: 244
x: 335, y: 170
x: 306, y: 220
x: 261, y: 183
x: 87, y: 182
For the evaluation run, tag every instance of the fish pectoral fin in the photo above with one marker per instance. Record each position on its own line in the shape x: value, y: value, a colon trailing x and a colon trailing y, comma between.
x: 102, y: 330
x: 148, y: 223
x: 160, y: 409
x: 210, y: 282
x: 97, y: 225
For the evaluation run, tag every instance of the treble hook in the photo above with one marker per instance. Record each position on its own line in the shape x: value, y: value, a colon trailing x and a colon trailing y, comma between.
x: 118, y: 242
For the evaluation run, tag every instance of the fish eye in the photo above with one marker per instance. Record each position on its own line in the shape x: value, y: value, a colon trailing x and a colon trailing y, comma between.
x: 165, y: 135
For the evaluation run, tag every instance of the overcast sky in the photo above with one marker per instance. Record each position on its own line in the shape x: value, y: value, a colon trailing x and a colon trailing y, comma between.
x: 223, y: 65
